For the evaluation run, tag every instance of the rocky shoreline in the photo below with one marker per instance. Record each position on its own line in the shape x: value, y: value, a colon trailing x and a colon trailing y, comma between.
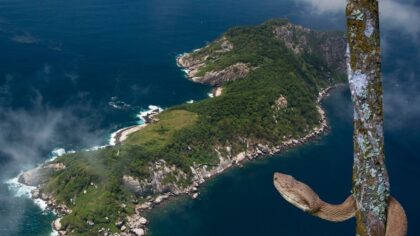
x: 153, y: 190
x: 122, y: 134
x: 136, y: 224
x: 35, y: 177
x: 192, y: 66
x: 202, y: 173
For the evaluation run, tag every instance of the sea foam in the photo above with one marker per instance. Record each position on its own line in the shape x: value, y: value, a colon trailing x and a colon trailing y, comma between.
x: 144, y: 113
x: 141, y: 121
x: 21, y: 190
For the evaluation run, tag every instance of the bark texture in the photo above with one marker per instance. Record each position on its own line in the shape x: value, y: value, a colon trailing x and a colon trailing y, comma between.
x: 370, y: 177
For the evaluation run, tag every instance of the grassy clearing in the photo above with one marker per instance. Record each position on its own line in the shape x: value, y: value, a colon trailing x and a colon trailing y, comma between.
x: 188, y: 134
x: 157, y: 135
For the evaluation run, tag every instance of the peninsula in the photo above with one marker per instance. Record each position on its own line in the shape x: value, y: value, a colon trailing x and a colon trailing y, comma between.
x: 268, y: 81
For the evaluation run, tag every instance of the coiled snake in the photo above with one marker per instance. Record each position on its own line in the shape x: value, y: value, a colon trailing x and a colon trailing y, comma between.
x: 304, y: 198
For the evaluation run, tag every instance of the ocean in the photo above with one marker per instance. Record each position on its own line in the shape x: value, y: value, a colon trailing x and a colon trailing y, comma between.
x: 73, y: 72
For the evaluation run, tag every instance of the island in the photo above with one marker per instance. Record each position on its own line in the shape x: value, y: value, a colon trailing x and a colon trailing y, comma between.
x: 267, y: 82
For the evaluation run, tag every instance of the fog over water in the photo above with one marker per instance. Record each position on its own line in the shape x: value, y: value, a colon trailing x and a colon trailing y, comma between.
x: 72, y: 72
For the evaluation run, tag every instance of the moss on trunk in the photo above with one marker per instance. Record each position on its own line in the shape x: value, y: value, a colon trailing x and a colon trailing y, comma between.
x: 370, y: 177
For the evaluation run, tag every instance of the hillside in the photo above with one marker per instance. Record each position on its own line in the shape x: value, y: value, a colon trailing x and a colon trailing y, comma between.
x: 267, y: 79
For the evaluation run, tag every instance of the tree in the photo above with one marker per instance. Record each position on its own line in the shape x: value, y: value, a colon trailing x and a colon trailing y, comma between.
x: 370, y: 177
x: 370, y: 201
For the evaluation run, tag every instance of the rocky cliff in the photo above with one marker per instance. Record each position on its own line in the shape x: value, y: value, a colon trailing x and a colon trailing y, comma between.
x: 273, y: 77
x: 329, y: 47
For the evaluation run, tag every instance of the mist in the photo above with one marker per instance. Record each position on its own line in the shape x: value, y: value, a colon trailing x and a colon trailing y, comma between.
x: 400, y: 16
x: 28, y: 136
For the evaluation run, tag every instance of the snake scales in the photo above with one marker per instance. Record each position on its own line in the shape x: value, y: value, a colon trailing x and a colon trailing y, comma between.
x: 304, y: 198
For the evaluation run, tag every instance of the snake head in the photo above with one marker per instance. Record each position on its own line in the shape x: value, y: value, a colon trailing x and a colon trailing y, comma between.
x: 295, y: 192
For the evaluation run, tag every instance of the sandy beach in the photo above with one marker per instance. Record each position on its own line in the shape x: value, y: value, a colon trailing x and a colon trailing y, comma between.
x: 119, y: 136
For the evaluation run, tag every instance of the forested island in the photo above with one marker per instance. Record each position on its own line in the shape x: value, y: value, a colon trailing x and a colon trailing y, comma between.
x: 268, y: 81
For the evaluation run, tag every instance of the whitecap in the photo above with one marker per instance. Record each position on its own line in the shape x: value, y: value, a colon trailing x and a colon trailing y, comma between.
x: 112, y: 138
x: 95, y: 148
x: 58, y: 152
x: 21, y: 190
x: 18, y: 189
x: 144, y: 113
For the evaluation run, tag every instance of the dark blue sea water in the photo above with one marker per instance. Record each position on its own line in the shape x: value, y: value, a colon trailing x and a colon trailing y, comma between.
x: 72, y: 72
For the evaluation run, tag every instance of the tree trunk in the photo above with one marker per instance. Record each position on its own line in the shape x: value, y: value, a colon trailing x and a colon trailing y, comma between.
x: 370, y: 177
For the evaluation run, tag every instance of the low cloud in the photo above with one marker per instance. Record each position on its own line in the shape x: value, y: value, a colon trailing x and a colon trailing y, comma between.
x: 11, y: 210
x: 394, y: 15
x: 404, y: 17
x: 320, y: 7
x: 401, y: 99
x: 27, y: 136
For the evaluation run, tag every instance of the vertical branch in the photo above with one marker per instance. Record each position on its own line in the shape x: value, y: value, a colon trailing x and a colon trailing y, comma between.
x: 370, y: 178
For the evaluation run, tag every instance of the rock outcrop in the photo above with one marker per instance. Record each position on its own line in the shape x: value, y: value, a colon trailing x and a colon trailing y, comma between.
x: 281, y: 103
x: 194, y: 63
x: 39, y: 175
x: 159, y: 182
x: 166, y: 180
x: 217, y: 78
x: 330, y: 45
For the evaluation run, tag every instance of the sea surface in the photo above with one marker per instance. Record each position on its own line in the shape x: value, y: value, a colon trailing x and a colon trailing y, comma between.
x: 73, y: 72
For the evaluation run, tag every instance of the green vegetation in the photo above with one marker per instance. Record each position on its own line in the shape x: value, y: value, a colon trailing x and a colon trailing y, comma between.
x: 156, y: 136
x: 92, y: 186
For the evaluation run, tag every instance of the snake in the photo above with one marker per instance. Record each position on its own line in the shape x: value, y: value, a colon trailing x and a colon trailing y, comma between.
x: 303, y: 197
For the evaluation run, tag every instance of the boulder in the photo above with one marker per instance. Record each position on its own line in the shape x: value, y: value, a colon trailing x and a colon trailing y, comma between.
x: 57, y: 224
x: 119, y: 223
x: 143, y: 221
x: 39, y: 175
x: 146, y: 205
x: 35, y: 193
x: 281, y: 102
x: 158, y: 200
x: 138, y: 232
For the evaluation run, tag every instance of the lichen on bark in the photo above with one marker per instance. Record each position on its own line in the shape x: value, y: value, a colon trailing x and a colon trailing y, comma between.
x: 370, y: 177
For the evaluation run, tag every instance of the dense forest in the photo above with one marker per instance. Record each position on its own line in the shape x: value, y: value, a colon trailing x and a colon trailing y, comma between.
x: 194, y: 134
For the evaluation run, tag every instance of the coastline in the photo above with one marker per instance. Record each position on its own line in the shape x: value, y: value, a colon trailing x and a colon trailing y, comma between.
x: 122, y: 134
x: 146, y: 117
x: 201, y: 175
x: 136, y: 224
x: 47, y: 203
